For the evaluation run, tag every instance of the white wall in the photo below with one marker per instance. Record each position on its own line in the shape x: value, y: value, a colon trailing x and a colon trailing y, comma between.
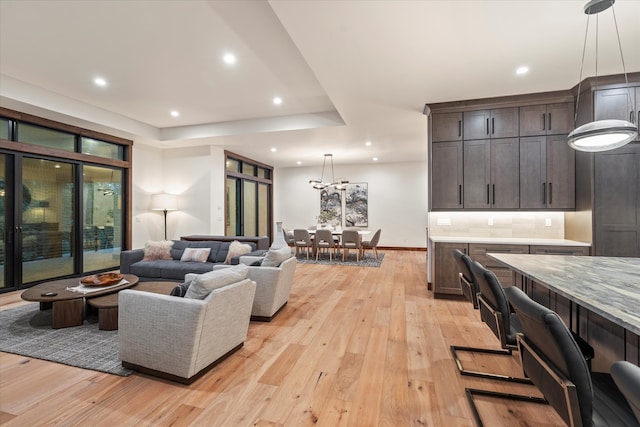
x: 397, y: 199
x: 195, y: 174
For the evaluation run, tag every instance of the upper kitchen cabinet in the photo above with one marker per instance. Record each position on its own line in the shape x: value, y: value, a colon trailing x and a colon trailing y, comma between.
x: 495, y: 123
x: 446, y: 175
x: 617, y: 103
x: 446, y: 127
x: 547, y: 119
x: 547, y: 173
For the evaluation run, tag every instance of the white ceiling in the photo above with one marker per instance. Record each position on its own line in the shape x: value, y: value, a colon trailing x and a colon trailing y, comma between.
x: 347, y: 71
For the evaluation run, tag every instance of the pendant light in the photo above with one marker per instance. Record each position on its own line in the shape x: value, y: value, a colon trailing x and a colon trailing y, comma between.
x: 601, y: 135
x: 321, y: 184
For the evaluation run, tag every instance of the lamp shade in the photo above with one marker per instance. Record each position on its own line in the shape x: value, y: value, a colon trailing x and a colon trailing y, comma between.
x: 602, y: 135
x: 164, y: 202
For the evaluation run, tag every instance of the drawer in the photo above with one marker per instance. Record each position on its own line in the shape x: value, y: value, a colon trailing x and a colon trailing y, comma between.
x: 478, y: 252
x: 559, y: 250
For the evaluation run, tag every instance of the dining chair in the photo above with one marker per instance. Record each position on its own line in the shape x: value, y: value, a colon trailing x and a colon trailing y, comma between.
x: 626, y: 375
x: 372, y: 243
x: 465, y: 276
x: 324, y: 240
x: 553, y: 360
x: 302, y: 239
x: 351, y: 240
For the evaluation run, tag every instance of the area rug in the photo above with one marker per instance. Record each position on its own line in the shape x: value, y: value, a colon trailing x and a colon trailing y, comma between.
x: 367, y: 261
x: 26, y: 331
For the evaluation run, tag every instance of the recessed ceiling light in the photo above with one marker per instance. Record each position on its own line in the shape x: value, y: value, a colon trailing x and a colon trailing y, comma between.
x: 175, y: 113
x: 522, y: 70
x: 229, y: 58
x: 274, y: 149
x: 99, y: 81
x: 277, y: 100
x: 298, y: 162
x: 368, y: 143
x: 375, y: 159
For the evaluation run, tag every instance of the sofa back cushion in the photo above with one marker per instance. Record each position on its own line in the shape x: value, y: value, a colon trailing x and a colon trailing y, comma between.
x: 203, y: 284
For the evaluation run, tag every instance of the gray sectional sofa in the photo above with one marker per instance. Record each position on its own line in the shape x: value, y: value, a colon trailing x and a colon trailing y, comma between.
x: 131, y: 261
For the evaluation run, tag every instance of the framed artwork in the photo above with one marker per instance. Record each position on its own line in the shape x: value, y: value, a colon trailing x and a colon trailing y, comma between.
x: 330, y: 206
x: 357, y: 205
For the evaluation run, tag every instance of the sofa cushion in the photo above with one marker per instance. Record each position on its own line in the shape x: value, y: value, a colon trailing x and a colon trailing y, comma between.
x: 236, y: 249
x: 195, y: 254
x: 275, y: 257
x: 203, y: 284
x: 157, y: 250
x: 180, y: 245
x: 176, y: 270
x: 180, y: 290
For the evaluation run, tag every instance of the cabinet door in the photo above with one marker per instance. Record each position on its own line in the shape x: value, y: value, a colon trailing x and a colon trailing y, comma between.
x: 561, y: 173
x: 533, y: 154
x: 560, y: 118
x: 617, y: 202
x: 446, y: 175
x: 533, y: 120
x: 505, y: 123
x: 477, y: 174
x: 446, y: 127
x: 614, y: 104
x: 505, y: 173
x: 446, y: 271
x: 476, y: 124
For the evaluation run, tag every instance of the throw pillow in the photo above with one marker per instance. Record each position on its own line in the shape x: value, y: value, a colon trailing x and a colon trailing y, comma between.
x: 236, y: 249
x: 275, y: 257
x: 203, y: 284
x: 157, y: 250
x: 180, y: 290
x: 195, y: 254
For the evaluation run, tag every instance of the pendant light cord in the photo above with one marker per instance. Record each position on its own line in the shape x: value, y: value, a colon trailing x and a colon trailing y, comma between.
x: 584, y: 50
x: 624, y: 70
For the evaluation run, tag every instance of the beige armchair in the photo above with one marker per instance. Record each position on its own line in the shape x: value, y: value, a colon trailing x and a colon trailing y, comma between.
x: 273, y: 285
x: 181, y: 338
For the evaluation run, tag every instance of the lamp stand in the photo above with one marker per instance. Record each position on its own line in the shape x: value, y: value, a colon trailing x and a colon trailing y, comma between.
x: 165, y: 224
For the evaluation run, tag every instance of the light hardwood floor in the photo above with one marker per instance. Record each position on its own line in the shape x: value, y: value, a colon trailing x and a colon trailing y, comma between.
x: 354, y: 347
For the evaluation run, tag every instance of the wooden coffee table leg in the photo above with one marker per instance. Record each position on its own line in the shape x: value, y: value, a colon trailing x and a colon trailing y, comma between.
x: 68, y: 313
x: 108, y: 319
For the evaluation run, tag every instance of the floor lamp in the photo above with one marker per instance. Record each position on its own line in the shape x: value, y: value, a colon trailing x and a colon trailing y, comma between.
x: 164, y: 202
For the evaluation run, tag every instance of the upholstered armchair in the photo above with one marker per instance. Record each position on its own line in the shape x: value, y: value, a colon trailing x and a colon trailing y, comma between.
x: 181, y: 338
x: 273, y: 285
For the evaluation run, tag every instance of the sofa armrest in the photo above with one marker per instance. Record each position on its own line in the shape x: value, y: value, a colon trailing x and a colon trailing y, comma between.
x: 129, y: 257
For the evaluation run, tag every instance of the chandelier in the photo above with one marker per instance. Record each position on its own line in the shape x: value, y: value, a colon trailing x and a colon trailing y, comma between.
x: 601, y: 135
x: 321, y: 184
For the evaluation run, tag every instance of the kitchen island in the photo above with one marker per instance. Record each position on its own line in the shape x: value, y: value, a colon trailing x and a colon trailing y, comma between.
x: 598, y: 297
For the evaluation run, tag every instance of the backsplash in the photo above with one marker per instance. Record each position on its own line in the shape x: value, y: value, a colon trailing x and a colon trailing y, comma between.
x: 546, y: 225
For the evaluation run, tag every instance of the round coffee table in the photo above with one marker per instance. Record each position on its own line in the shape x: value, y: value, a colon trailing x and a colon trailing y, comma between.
x: 107, y: 305
x: 68, y: 306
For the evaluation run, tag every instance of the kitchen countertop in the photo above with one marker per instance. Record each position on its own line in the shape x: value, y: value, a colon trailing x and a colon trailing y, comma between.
x: 508, y: 241
x: 607, y: 286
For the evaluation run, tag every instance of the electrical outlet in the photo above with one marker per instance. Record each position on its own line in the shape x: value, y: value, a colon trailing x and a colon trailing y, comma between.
x: 547, y: 222
x: 490, y: 221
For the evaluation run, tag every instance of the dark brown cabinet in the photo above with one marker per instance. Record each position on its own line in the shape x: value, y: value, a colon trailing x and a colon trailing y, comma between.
x: 616, y: 208
x: 497, y: 123
x: 446, y: 279
x: 617, y: 103
x: 559, y: 250
x: 478, y: 252
x: 549, y: 119
x: 491, y: 174
x: 446, y: 127
x: 547, y: 173
x: 446, y: 175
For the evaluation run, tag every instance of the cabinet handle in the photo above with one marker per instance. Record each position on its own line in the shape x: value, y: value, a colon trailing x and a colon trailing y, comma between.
x: 460, y: 194
x: 487, y: 126
x: 549, y: 121
x: 493, y: 125
x: 494, y: 194
x: 488, y: 202
x: 459, y: 127
x: 550, y: 193
x: 544, y: 193
x: 544, y: 121
x: 631, y: 116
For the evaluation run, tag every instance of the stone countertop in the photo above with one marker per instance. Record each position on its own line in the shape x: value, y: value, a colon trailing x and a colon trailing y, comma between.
x: 508, y: 241
x: 607, y: 286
